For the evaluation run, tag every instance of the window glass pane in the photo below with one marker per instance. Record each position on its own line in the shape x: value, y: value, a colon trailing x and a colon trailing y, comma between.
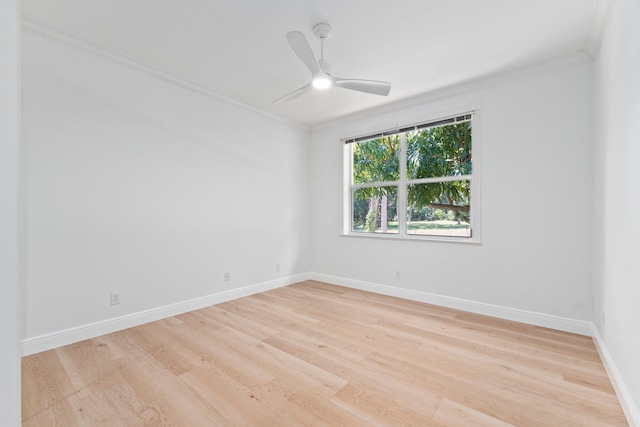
x: 439, y: 209
x: 439, y: 151
x: 376, y: 160
x: 375, y: 210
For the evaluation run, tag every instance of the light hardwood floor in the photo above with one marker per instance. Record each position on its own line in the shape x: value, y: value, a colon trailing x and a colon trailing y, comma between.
x: 313, y: 354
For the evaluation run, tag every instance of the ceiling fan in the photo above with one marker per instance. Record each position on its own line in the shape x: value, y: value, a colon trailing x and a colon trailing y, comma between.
x: 321, y: 77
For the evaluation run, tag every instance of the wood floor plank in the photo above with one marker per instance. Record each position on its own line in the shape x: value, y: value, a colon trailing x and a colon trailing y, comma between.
x: 164, y: 393
x: 239, y: 405
x: 322, y: 355
x: 372, y: 406
x: 405, y: 395
x: 596, y: 380
x: 574, y: 411
x: 46, y: 390
x: 505, y: 344
x: 453, y: 414
x: 307, y: 407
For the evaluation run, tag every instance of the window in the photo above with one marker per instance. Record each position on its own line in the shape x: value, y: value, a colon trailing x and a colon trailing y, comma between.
x: 413, y: 182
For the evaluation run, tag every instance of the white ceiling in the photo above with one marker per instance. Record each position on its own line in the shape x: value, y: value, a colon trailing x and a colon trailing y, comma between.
x: 238, y: 47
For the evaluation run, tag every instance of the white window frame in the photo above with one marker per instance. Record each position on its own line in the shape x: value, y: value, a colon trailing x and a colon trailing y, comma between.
x: 402, y: 186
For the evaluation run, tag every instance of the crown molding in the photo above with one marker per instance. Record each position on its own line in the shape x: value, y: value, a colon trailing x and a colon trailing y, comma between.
x: 598, y: 26
x: 36, y: 27
x: 602, y: 9
x: 459, y: 88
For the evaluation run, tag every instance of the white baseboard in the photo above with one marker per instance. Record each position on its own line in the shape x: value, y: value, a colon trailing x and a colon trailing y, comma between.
x: 630, y: 409
x: 68, y: 336
x: 581, y: 327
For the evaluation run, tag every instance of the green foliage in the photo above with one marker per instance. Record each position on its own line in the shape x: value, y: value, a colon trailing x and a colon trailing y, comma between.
x: 437, y: 152
x: 453, y: 194
x: 360, y: 210
x: 377, y: 160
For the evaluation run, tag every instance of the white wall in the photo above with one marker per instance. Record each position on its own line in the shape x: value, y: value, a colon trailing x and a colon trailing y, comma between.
x: 9, y: 313
x: 535, y: 130
x: 142, y: 186
x: 139, y: 185
x: 616, y: 201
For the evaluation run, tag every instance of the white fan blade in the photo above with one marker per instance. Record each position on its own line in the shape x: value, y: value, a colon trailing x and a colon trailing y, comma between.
x: 369, y: 86
x: 293, y: 95
x: 300, y: 46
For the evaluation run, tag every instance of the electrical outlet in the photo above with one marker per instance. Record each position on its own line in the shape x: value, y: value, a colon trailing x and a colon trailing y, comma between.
x: 397, y: 275
x: 227, y: 276
x: 277, y: 267
x: 115, y: 298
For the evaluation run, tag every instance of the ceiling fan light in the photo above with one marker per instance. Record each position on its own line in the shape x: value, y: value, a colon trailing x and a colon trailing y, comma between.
x: 321, y: 82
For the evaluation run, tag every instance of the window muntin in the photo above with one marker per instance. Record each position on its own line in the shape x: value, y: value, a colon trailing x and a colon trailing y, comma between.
x: 418, y: 179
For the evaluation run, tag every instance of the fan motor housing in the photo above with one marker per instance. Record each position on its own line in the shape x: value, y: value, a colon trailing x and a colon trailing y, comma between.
x: 322, y: 30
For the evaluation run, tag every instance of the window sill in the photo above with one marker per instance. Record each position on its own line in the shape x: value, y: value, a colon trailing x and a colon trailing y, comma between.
x: 444, y: 239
